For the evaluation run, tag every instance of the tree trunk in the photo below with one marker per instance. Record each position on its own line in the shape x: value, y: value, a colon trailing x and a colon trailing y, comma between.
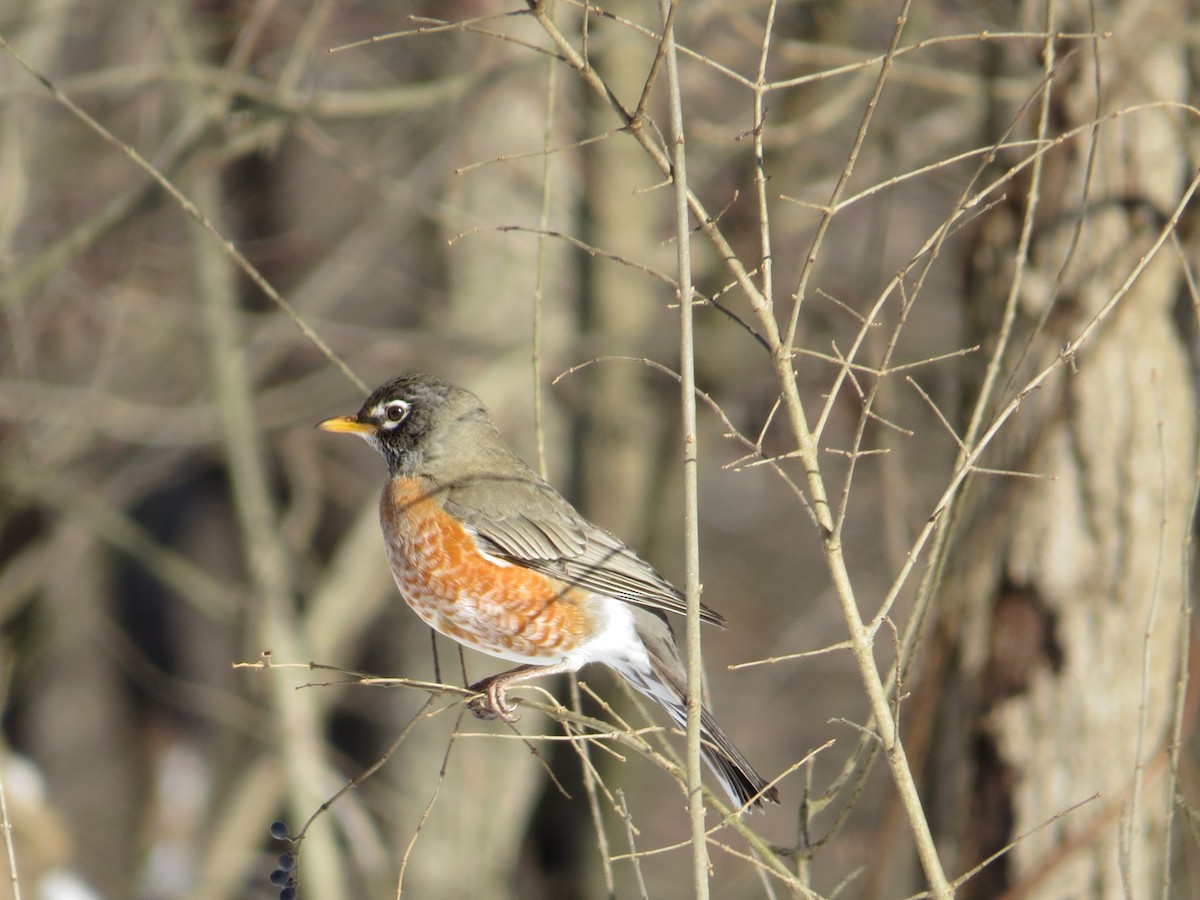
x: 1063, y: 593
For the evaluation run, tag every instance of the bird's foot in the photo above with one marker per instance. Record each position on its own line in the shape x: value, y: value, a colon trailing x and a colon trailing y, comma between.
x: 489, y: 701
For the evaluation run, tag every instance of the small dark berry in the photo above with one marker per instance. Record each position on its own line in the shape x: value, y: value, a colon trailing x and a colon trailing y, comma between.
x: 287, y: 862
x: 288, y: 893
x: 280, y: 877
x: 279, y: 830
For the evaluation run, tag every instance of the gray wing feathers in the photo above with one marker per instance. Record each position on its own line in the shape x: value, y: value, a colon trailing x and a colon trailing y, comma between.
x: 540, y: 530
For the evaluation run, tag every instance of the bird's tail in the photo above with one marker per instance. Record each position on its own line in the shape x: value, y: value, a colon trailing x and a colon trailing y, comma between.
x: 733, y: 770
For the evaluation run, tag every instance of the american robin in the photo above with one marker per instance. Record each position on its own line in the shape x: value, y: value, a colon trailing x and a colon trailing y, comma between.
x: 487, y: 553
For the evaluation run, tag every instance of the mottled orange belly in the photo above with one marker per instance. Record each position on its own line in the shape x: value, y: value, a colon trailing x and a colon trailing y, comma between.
x: 505, y: 610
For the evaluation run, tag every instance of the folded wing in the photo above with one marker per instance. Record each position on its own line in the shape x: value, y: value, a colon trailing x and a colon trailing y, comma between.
x: 540, y: 530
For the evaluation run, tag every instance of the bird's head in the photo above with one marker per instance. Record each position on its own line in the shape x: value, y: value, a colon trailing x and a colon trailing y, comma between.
x: 410, y: 419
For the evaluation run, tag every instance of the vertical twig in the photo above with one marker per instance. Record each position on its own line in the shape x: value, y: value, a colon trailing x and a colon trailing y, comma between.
x: 634, y: 859
x: 539, y: 426
x: 1127, y: 861
x: 691, y: 490
x: 583, y: 748
x: 760, y: 164
x: 1032, y: 196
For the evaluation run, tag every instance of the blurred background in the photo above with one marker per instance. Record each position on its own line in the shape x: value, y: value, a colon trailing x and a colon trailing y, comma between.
x: 456, y: 197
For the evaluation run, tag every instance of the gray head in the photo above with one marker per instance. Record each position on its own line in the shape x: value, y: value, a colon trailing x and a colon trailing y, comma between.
x: 418, y: 422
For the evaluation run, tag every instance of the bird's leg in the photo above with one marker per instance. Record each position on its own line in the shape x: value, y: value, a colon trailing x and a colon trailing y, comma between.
x: 490, y: 702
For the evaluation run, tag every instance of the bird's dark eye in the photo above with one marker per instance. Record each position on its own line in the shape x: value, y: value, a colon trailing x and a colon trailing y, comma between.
x: 396, y: 411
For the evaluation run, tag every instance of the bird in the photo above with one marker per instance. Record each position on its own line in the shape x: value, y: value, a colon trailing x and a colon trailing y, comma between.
x: 488, y: 554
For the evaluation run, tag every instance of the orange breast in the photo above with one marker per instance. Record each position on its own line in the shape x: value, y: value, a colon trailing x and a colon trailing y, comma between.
x: 505, y: 610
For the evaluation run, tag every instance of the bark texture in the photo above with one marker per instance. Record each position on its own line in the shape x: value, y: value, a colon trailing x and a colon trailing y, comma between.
x: 1064, y: 592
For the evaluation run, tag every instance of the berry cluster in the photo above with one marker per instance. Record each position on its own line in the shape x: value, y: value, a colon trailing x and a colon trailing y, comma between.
x: 286, y: 876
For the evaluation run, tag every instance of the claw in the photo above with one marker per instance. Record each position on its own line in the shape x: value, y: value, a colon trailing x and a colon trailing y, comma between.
x: 490, y: 702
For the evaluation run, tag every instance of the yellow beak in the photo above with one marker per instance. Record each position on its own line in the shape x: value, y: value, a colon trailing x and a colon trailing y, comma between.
x: 346, y: 425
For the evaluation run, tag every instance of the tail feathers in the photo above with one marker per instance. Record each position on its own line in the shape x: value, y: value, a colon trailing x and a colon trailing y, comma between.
x: 733, y: 770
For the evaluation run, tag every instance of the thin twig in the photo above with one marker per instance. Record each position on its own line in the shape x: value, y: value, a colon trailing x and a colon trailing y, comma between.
x: 634, y: 857
x: 437, y: 790
x: 691, y: 484
x: 593, y: 800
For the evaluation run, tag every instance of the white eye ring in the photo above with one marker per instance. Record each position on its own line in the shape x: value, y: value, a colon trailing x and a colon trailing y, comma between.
x: 394, y: 412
